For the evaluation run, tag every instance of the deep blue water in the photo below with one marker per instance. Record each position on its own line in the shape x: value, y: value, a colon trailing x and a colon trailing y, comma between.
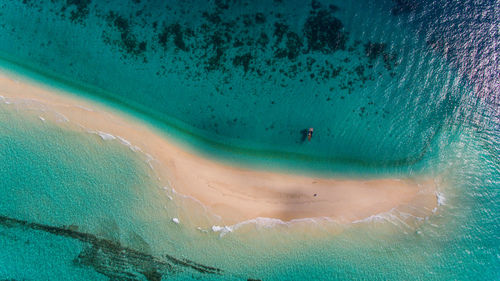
x: 390, y: 87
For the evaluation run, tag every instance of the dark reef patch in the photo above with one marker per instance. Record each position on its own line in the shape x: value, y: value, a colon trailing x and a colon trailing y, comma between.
x: 263, y: 40
x: 280, y: 29
x: 293, y: 45
x: 212, y: 18
x: 111, y: 259
x: 228, y: 39
x: 222, y: 4
x: 390, y: 61
x: 260, y: 18
x: 79, y: 9
x: 243, y: 60
x: 177, y: 32
x: 315, y: 4
x: 76, y: 10
x: 360, y: 70
x: 376, y: 50
x: 324, y: 32
x: 127, y: 42
x: 216, y: 46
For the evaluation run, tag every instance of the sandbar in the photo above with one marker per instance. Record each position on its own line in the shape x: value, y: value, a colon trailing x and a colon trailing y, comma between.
x: 234, y: 193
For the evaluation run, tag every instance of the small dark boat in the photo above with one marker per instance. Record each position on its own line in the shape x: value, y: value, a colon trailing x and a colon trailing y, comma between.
x: 310, y: 134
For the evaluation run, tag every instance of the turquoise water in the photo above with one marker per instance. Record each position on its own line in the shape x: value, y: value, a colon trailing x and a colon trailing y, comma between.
x: 388, y: 86
x: 339, y: 90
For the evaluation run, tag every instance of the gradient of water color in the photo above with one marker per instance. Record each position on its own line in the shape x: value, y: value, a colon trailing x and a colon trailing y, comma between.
x: 399, y: 91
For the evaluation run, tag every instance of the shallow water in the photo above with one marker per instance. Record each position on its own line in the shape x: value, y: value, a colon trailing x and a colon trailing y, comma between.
x: 398, y: 90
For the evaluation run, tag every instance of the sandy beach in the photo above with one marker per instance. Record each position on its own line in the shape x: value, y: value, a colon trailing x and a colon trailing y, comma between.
x: 234, y: 194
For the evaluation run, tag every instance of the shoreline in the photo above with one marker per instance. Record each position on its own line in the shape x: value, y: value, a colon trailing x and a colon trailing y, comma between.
x: 233, y: 194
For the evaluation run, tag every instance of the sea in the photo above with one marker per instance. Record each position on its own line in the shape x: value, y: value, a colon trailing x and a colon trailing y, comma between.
x: 402, y: 88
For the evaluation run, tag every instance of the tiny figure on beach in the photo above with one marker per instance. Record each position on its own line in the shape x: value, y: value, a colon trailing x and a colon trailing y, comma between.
x: 310, y: 134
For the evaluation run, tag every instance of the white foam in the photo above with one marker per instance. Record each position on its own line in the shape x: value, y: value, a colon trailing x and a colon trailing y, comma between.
x: 392, y: 216
x: 222, y: 229
x: 372, y: 218
x: 263, y: 222
x: 176, y: 220
x: 201, y: 229
x: 105, y: 136
x: 385, y: 216
x: 124, y: 141
x: 4, y: 100
x: 127, y: 143
x: 440, y: 198
x: 149, y: 160
x: 41, y: 118
x: 168, y: 196
x: 406, y: 215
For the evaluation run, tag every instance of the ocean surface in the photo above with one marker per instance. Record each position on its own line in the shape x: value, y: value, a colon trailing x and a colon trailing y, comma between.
x: 392, y: 88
